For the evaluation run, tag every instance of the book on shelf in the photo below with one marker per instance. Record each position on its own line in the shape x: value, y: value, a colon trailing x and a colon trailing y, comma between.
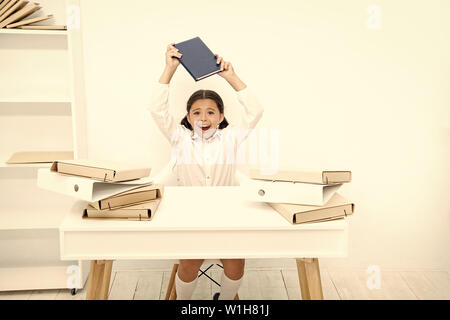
x: 141, y: 212
x: 85, y: 188
x: 287, y: 192
x: 3, y: 4
x: 336, y: 208
x: 39, y: 157
x: 317, y: 177
x: 6, y: 5
x: 128, y: 198
x: 197, y: 58
x: 111, y: 171
x: 39, y: 27
x: 27, y: 10
x: 29, y: 21
x: 12, y: 7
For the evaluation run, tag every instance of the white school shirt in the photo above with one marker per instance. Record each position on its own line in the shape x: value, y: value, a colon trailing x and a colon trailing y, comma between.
x: 199, y: 161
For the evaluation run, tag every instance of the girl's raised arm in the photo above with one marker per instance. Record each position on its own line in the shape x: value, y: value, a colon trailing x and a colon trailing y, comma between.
x: 159, y: 103
x: 252, y: 110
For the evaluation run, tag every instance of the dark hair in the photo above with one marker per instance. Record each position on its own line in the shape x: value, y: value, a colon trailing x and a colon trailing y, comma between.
x: 204, y: 94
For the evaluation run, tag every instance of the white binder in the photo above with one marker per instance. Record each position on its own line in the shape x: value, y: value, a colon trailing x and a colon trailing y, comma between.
x: 288, y: 192
x: 85, y: 188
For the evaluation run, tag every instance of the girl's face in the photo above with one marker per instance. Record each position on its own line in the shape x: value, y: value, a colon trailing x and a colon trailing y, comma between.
x: 204, y: 117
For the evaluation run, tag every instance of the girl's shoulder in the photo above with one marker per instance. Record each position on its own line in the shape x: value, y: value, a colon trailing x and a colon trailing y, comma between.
x: 232, y: 132
x: 180, y: 133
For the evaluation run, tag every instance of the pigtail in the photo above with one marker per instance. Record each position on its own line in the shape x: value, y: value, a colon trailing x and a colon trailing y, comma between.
x: 186, y: 123
x: 223, y: 124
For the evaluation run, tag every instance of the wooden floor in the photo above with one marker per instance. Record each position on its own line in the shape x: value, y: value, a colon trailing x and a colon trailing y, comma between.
x: 267, y: 284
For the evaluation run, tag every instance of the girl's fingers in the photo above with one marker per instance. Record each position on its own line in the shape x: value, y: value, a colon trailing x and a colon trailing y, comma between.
x: 169, y: 48
x: 174, y: 53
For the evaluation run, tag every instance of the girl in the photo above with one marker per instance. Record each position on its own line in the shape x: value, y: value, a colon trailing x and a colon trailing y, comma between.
x: 204, y: 148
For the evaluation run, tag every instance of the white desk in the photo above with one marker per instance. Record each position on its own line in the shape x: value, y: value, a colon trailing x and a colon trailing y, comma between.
x: 202, y: 223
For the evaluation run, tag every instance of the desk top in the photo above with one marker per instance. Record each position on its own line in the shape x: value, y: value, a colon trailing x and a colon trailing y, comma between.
x: 201, y: 222
x: 199, y: 208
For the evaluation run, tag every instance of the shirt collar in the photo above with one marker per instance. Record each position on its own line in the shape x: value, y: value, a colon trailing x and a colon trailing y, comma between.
x: 217, y: 134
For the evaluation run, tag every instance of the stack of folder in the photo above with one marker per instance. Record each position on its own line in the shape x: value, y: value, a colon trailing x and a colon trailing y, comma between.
x: 301, y: 196
x: 112, y: 190
x: 19, y: 14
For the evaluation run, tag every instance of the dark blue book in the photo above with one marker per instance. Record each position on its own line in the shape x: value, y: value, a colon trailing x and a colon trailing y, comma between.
x: 197, y: 59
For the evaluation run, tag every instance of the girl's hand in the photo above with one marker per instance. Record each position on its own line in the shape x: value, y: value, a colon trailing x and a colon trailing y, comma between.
x: 172, y: 52
x: 227, y: 71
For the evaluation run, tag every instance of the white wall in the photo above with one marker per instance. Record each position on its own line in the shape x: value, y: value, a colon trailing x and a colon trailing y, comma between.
x: 342, y: 95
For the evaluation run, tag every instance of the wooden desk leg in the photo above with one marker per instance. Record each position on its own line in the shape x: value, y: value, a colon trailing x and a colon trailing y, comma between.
x: 173, y: 293
x: 171, y: 281
x: 309, y: 277
x: 99, y: 279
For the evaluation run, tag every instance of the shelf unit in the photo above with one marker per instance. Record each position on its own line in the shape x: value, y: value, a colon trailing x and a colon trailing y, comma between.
x: 42, y: 107
x: 35, y: 100
x: 34, y: 32
x: 24, y: 165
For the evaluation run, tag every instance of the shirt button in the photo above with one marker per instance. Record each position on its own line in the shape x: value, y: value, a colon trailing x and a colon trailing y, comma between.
x: 208, y: 177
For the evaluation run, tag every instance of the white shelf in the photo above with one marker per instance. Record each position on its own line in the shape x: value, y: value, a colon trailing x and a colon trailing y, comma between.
x: 39, y: 220
x: 40, y: 277
x: 25, y: 165
x: 34, y: 32
x: 35, y: 100
x: 43, y: 105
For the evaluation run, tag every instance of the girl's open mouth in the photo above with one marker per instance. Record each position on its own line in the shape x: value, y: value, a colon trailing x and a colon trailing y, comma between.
x: 206, y: 128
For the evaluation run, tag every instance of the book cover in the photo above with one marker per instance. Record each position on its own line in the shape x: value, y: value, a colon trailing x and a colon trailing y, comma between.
x: 304, y: 176
x: 28, y: 21
x: 101, y: 170
x: 197, y: 59
x: 3, y: 4
x: 39, y: 156
x: 85, y: 188
x: 128, y: 198
x: 20, y: 14
x: 141, y: 212
x: 287, y: 192
x: 32, y: 27
x: 17, y: 6
x: 336, y: 208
